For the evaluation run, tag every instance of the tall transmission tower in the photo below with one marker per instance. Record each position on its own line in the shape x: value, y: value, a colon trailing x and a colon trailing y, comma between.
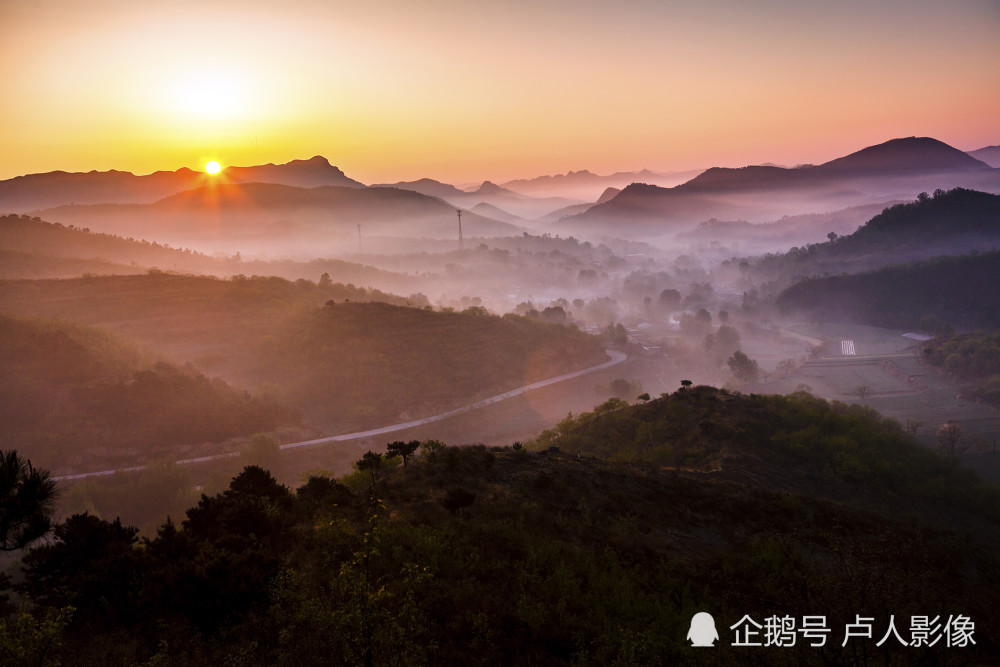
x: 461, y: 243
x: 359, y: 239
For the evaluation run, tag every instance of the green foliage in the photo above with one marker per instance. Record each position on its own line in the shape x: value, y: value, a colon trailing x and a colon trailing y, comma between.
x: 257, y: 575
x: 403, y: 449
x: 971, y: 357
x: 28, y: 641
x: 27, y: 500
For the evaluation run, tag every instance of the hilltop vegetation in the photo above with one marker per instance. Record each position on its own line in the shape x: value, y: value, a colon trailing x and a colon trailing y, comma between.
x: 503, y: 556
x: 75, y: 395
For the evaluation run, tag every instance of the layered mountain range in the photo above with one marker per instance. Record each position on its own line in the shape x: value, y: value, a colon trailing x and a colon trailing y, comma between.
x: 311, y: 201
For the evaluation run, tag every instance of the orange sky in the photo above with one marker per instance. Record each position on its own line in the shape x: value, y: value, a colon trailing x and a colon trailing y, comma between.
x: 463, y: 91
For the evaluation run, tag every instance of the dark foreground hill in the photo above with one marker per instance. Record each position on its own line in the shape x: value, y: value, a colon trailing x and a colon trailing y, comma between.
x: 72, y: 396
x: 786, y: 511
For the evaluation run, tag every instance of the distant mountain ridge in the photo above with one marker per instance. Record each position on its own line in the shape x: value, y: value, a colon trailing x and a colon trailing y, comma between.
x: 34, y: 192
x: 587, y: 185
x: 278, y: 218
x: 896, y: 169
x: 990, y: 155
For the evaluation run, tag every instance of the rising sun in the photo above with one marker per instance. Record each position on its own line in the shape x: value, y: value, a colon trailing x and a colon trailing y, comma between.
x: 213, y: 167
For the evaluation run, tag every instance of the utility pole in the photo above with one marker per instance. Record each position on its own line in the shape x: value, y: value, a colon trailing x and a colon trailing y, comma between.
x: 461, y: 243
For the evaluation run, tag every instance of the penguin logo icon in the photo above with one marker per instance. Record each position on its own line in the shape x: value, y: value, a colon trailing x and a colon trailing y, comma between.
x: 702, y: 632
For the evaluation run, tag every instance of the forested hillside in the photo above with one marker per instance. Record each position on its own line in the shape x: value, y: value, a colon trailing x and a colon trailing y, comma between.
x: 74, y: 396
x: 501, y: 556
x: 973, y: 358
x: 957, y: 291
x: 956, y: 222
x: 358, y: 363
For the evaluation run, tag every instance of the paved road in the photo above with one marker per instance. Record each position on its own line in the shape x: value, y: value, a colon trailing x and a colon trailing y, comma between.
x: 617, y: 357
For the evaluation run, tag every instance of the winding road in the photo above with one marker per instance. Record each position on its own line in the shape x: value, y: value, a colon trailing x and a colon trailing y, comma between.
x: 617, y: 357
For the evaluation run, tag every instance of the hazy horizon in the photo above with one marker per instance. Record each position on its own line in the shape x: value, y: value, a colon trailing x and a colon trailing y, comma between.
x: 466, y: 92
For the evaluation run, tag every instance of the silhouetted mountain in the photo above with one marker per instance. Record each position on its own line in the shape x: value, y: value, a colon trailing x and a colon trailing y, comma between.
x: 587, y: 185
x: 608, y: 195
x: 312, y: 173
x: 990, y: 155
x: 280, y: 218
x: 900, y: 156
x: 495, y: 213
x: 427, y: 186
x: 38, y: 191
x: 489, y: 188
x: 897, y: 169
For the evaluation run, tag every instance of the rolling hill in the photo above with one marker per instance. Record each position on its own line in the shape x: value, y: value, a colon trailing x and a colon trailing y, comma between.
x: 947, y: 223
x: 33, y: 248
x: 345, y: 365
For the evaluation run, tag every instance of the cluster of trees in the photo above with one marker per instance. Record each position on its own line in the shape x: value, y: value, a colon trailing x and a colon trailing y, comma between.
x: 973, y: 358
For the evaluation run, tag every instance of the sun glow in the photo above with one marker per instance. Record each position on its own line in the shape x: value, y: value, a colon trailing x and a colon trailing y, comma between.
x: 213, y: 167
x: 211, y: 93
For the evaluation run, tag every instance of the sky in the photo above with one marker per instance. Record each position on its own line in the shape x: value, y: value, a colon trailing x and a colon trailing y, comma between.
x: 468, y: 90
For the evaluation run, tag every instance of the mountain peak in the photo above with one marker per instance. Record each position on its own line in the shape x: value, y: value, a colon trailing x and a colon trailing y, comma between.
x: 909, y: 154
x: 489, y: 188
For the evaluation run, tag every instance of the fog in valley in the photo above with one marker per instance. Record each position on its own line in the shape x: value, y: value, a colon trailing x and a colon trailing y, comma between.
x: 157, y: 342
